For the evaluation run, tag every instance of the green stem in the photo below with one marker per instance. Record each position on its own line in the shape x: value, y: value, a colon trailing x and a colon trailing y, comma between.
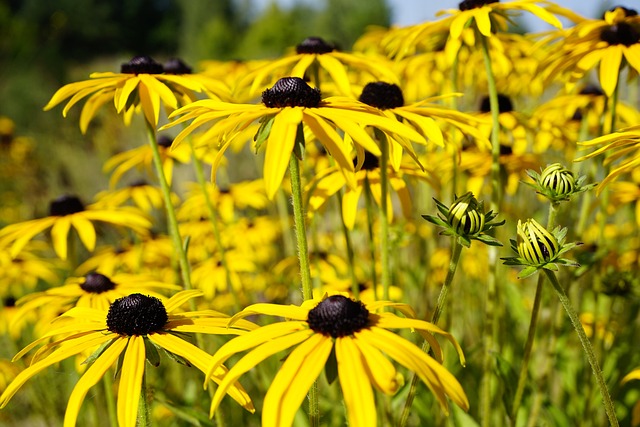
x: 496, y: 202
x: 586, y: 345
x: 533, y: 323
x: 456, y: 250
x: 213, y: 219
x: 305, y: 273
x: 144, y: 416
x: 107, y: 382
x: 172, y: 220
x: 385, y: 276
x: 369, y: 206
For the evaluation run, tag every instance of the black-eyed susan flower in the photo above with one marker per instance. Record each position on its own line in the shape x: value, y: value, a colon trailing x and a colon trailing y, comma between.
x: 422, y: 116
x: 133, y: 330
x: 466, y: 219
x: 94, y: 290
x: 557, y: 183
x: 359, y: 338
x: 141, y: 84
x: 68, y: 211
x: 289, y: 105
x: 605, y: 41
x: 538, y: 248
x: 316, y: 52
x: 487, y: 16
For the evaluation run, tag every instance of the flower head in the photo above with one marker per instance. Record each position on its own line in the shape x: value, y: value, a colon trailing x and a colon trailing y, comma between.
x: 466, y: 219
x: 288, y: 109
x: 142, y: 84
x: 133, y: 330
x: 538, y: 248
x: 357, y: 335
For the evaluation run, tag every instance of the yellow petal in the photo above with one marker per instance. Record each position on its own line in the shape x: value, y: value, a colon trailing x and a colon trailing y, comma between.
x: 150, y: 104
x: 356, y: 388
x: 62, y: 353
x: 85, y: 230
x: 255, y: 357
x: 280, y: 147
x: 156, y: 86
x: 123, y: 94
x: 252, y: 339
x: 60, y: 235
x: 90, y: 378
x: 483, y: 21
x: 610, y: 68
x: 380, y: 370
x: 329, y: 138
x: 301, y: 66
x: 337, y: 72
x: 131, y: 381
x: 350, y: 206
x: 180, y: 298
x: 290, y: 386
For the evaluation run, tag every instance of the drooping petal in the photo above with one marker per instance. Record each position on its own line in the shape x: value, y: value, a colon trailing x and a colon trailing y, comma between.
x: 92, y: 375
x: 290, y: 386
x: 354, y: 381
x: 610, y: 68
x: 253, y: 339
x: 381, y: 372
x: 337, y: 72
x: 85, y: 230
x: 122, y: 94
x: 155, y: 86
x: 280, y: 147
x: 253, y: 358
x: 131, y: 381
x: 60, y: 236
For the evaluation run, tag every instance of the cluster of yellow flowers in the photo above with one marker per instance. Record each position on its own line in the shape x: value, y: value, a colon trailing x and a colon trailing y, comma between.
x: 203, y: 237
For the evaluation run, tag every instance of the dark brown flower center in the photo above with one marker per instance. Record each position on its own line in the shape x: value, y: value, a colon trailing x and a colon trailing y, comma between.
x: 291, y: 92
x: 141, y: 65
x: 474, y: 4
x: 136, y: 314
x: 65, y: 205
x: 382, y: 95
x: 627, y: 12
x: 504, y: 104
x: 165, y: 141
x: 620, y: 33
x: 314, y: 45
x: 370, y: 163
x: 176, y: 66
x: 97, y: 283
x: 338, y: 316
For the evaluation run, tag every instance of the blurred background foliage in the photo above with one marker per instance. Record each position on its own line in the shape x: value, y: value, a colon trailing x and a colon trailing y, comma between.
x: 47, y: 44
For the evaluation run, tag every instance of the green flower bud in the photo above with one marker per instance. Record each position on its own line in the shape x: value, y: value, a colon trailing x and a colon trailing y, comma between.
x: 558, y: 180
x: 557, y: 183
x: 466, y: 219
x: 535, y: 244
x: 466, y: 215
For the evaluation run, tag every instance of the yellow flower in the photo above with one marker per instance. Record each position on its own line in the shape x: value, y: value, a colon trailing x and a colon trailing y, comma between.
x: 357, y: 335
x: 142, y: 83
x: 315, y: 52
x: 602, y: 41
x: 289, y: 105
x: 144, y: 196
x: 135, y: 328
x: 66, y: 212
x: 487, y: 16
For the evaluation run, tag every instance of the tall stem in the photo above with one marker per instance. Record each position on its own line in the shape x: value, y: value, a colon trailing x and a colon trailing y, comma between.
x: 586, y: 345
x: 496, y: 201
x: 370, y: 216
x: 305, y: 273
x: 107, y: 382
x: 385, y: 277
x: 533, y: 323
x: 144, y: 416
x: 456, y: 250
x: 172, y: 220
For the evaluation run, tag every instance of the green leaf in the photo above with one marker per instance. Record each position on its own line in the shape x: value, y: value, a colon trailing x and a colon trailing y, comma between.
x: 263, y: 131
x: 331, y: 367
x: 527, y: 271
x: 509, y: 379
x: 92, y: 358
x: 488, y: 240
x: 179, y: 359
x: 151, y: 351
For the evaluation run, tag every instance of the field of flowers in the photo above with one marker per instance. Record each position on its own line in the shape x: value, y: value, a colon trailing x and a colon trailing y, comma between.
x: 439, y: 227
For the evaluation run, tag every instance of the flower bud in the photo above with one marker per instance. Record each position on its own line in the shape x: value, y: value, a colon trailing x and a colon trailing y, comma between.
x: 466, y: 215
x: 559, y: 180
x: 535, y: 244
